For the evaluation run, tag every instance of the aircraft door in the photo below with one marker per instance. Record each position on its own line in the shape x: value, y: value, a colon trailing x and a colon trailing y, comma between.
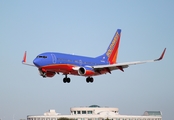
x: 54, y: 58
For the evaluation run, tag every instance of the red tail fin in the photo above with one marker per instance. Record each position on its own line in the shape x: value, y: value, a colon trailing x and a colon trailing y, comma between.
x: 112, y: 51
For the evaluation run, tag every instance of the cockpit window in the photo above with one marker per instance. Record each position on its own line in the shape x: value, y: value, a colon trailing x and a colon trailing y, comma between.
x: 41, y: 56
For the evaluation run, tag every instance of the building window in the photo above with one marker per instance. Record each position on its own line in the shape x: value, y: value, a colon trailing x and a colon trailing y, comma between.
x: 74, y: 112
x: 89, y: 112
x: 83, y: 112
x: 78, y: 112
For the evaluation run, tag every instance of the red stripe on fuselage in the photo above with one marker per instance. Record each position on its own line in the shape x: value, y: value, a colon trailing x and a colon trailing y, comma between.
x: 64, y: 68
x: 67, y: 69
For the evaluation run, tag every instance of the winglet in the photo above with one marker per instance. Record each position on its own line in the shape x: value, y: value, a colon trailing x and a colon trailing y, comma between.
x: 162, y: 55
x: 25, y: 57
x: 24, y: 61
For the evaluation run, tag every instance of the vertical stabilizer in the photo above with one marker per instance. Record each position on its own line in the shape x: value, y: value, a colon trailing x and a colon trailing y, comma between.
x: 112, y: 52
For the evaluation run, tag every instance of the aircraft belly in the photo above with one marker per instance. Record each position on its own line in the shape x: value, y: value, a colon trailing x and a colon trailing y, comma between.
x: 59, y: 67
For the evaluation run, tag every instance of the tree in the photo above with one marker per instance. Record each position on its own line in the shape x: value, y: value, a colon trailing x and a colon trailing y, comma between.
x: 63, y: 118
x: 107, y: 119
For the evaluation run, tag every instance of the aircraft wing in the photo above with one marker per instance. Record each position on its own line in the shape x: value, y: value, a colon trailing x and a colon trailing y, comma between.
x: 25, y: 59
x: 28, y: 64
x: 120, y: 66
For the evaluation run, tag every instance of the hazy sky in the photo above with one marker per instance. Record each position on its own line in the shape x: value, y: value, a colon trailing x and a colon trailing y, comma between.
x: 86, y: 28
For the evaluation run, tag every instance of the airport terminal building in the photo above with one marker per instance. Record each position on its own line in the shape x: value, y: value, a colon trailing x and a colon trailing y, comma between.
x: 95, y: 112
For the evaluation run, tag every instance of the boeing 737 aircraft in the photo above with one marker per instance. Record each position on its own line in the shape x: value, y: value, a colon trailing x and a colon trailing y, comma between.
x: 50, y: 63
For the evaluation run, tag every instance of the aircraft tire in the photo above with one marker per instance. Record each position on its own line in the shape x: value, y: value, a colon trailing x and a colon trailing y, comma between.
x: 91, y: 79
x: 64, y: 80
x: 87, y: 80
x: 44, y: 76
x: 68, y: 80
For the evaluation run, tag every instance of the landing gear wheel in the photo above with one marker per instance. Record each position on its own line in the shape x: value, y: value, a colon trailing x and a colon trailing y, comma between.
x: 66, y: 79
x: 43, y: 74
x: 89, y: 79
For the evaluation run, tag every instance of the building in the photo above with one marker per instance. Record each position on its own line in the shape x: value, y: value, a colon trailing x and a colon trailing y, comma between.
x: 95, y: 112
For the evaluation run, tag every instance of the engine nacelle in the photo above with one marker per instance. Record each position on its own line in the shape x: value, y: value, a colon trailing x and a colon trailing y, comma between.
x: 45, y: 73
x: 50, y: 74
x: 86, y: 71
x: 81, y: 71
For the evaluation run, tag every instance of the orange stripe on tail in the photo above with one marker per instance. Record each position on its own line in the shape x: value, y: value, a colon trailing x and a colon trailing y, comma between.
x: 25, y: 57
x: 112, y: 51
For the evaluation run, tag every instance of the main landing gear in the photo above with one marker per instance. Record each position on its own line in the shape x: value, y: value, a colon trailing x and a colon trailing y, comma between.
x: 89, y: 79
x: 66, y: 79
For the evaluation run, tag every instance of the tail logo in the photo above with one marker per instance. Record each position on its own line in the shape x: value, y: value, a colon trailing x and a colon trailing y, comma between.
x: 112, y: 51
x: 111, y: 47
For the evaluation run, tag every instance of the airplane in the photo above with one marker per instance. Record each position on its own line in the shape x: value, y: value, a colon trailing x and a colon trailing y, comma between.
x: 51, y: 63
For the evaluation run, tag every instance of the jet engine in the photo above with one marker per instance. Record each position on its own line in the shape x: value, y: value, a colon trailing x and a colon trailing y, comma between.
x: 44, y: 73
x: 50, y: 74
x: 81, y: 71
x: 86, y: 71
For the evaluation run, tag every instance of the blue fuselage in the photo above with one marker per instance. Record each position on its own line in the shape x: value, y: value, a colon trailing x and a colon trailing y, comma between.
x: 50, y: 58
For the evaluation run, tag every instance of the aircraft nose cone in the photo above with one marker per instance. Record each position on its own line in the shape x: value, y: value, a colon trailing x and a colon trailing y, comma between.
x: 36, y: 62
